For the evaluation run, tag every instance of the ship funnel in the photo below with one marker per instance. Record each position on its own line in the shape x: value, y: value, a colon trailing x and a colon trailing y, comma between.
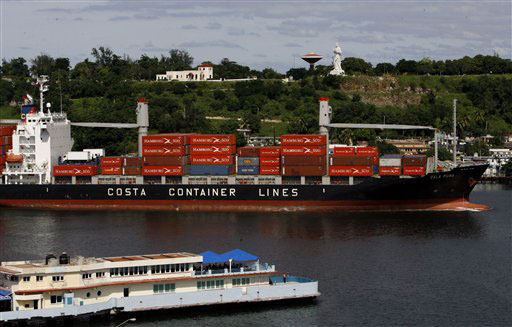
x: 50, y: 257
x: 142, y: 121
x: 64, y: 258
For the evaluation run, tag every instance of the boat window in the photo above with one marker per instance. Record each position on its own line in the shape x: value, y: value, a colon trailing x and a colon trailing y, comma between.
x: 201, y: 285
x: 26, y: 278
x: 56, y: 299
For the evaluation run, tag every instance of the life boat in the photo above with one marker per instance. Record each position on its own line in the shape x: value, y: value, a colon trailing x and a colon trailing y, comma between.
x: 14, y: 158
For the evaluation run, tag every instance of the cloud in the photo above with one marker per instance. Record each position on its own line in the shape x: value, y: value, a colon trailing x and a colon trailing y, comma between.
x: 119, y: 18
x: 218, y: 44
x: 292, y: 45
x: 213, y: 26
x: 189, y: 27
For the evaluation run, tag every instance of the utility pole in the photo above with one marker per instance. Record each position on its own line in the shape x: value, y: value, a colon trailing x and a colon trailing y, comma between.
x: 455, y: 132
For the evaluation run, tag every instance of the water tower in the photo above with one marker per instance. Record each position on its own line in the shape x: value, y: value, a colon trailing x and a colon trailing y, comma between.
x: 311, y: 58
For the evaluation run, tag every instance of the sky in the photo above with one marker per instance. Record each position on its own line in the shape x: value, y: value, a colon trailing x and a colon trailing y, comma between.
x: 257, y: 33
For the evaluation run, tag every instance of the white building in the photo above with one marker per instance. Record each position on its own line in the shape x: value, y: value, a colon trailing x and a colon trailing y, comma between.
x: 204, y: 72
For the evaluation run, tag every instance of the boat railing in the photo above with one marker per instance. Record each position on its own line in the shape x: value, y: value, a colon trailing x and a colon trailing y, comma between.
x: 291, y: 279
x: 246, y: 269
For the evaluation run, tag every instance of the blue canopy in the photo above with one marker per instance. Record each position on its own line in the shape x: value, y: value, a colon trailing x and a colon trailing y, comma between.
x: 211, y: 257
x: 239, y: 255
x: 5, y: 295
x: 236, y: 255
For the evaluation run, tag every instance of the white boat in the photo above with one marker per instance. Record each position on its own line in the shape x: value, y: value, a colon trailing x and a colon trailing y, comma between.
x: 73, y: 286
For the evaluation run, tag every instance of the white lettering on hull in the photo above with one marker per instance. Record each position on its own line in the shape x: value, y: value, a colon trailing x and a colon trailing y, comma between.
x: 278, y: 192
x: 202, y: 192
x: 126, y: 192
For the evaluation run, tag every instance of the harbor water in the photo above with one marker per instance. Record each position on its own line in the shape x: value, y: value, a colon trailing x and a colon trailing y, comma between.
x: 374, y: 269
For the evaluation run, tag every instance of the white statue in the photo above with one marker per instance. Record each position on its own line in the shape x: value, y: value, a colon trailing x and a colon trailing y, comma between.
x: 336, y: 62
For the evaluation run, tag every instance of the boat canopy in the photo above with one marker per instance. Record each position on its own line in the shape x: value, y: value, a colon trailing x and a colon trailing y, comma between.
x: 5, y: 295
x: 211, y: 257
x: 239, y: 255
x: 235, y: 255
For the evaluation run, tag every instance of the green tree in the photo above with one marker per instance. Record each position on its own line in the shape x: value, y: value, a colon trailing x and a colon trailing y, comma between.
x: 42, y: 65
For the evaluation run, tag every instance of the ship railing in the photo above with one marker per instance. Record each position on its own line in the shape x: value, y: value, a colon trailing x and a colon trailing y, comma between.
x: 291, y: 279
x: 255, y: 268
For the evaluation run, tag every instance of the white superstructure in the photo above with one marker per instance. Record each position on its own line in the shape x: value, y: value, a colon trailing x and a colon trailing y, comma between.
x: 38, y: 142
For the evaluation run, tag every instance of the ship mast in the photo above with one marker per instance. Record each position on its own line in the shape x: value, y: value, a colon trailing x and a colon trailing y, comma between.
x: 41, y: 80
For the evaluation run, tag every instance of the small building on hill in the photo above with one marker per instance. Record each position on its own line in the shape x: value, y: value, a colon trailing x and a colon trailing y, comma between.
x: 204, y: 72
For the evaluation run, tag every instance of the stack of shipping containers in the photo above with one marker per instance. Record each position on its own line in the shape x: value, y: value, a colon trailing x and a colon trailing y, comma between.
x: 390, y: 165
x: 165, y: 155
x: 303, y: 155
x: 349, y: 161
x: 212, y: 154
x: 5, y: 143
x: 270, y: 160
x: 112, y: 166
x: 414, y: 165
x: 248, y: 161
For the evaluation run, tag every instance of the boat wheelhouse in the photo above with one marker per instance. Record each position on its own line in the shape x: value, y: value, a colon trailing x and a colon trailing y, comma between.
x: 72, y: 286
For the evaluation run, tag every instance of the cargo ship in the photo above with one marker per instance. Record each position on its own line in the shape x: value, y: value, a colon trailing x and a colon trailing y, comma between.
x: 207, y: 172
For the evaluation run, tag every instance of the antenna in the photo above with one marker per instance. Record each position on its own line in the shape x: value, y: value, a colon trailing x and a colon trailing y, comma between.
x: 41, y: 80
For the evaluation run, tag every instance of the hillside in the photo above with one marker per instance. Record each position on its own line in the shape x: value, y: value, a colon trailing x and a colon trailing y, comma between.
x: 484, y: 105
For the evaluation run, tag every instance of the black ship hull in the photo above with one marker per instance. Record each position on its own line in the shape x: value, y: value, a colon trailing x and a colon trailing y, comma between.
x: 436, y: 191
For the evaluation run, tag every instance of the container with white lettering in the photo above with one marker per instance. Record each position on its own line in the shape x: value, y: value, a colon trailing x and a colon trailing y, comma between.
x: 248, y: 170
x: 248, y: 161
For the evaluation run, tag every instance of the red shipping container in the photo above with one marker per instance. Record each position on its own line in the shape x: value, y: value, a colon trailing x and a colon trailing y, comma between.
x: 351, y: 161
x: 162, y: 171
x: 303, y: 160
x: 414, y: 170
x: 7, y: 130
x: 304, y: 170
x: 270, y: 151
x: 132, y: 171
x: 296, y: 139
x: 350, y: 171
x: 418, y: 160
x: 112, y: 161
x: 249, y: 151
x: 132, y: 162
x: 368, y: 150
x: 390, y: 171
x: 297, y: 150
x: 112, y: 170
x: 164, y: 150
x: 213, y: 139
x: 270, y: 161
x: 165, y: 160
x: 212, y: 149
x: 211, y: 160
x: 165, y: 139
x: 75, y: 170
x: 270, y: 170
x: 344, y: 151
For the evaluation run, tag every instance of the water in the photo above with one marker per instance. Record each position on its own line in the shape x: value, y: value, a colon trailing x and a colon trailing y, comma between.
x: 377, y: 269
